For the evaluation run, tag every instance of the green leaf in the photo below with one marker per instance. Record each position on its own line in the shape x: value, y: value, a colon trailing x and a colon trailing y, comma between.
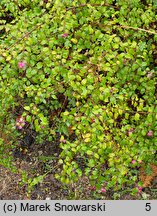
x: 39, y: 65
x: 89, y: 152
x: 27, y: 108
x: 74, y: 40
x: 96, y: 155
x: 36, y: 123
x: 28, y: 118
x: 37, y: 180
x: 137, y: 116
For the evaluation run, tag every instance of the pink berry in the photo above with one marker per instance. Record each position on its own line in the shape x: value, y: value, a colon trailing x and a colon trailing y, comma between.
x: 92, y: 188
x: 93, y: 120
x: 149, y: 75
x: 131, y: 130
x: 20, y: 120
x: 133, y: 161
x: 21, y: 64
x: 150, y: 133
x: 65, y: 35
x: 63, y: 141
x: 103, y: 190
x: 139, y: 189
x: 20, y: 127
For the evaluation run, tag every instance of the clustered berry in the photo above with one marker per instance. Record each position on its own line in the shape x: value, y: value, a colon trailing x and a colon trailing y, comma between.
x: 20, y: 122
x: 21, y: 64
x: 150, y: 133
x: 65, y: 35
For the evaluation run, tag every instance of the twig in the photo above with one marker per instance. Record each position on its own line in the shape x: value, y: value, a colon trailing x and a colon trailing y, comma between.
x: 137, y: 29
x: 94, y: 5
x: 124, y: 26
x: 132, y: 111
x: 24, y: 36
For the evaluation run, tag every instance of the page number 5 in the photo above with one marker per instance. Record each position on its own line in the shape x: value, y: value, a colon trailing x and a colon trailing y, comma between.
x: 148, y: 207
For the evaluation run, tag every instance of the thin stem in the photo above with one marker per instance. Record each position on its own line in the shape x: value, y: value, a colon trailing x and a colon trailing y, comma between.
x: 94, y: 5
x: 137, y: 29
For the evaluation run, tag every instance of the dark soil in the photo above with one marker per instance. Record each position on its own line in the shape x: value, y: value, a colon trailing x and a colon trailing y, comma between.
x: 38, y: 159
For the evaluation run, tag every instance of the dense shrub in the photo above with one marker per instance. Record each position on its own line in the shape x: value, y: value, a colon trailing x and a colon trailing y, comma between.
x: 85, y: 70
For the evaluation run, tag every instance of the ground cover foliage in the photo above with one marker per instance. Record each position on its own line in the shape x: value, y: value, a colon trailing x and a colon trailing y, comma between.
x: 80, y: 76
